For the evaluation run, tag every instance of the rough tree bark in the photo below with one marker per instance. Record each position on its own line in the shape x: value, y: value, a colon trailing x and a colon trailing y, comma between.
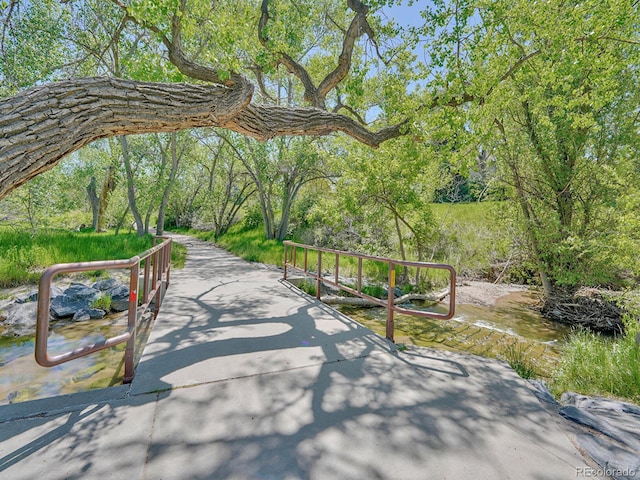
x: 41, y: 125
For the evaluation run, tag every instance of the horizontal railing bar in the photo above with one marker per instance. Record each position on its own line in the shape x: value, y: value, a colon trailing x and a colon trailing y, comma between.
x: 392, y: 264
x: 52, y: 361
x: 161, y: 263
x: 403, y: 263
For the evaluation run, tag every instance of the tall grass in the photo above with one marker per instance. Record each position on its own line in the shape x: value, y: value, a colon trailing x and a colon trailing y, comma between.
x: 23, y: 255
x: 598, y: 366
x: 472, y: 237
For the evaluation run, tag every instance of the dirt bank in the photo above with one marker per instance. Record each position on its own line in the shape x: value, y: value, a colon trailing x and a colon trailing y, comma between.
x: 475, y: 292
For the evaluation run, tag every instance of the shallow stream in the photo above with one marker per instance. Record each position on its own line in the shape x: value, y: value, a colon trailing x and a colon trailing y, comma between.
x: 511, y: 330
x: 22, y: 379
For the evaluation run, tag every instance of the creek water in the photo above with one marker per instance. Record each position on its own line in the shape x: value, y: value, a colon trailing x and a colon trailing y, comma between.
x: 21, y: 378
x: 511, y: 330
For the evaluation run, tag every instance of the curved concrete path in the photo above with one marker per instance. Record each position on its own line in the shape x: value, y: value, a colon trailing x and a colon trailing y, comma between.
x: 245, y: 377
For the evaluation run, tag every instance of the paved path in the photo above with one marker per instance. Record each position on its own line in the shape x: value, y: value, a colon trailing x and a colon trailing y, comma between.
x: 244, y: 377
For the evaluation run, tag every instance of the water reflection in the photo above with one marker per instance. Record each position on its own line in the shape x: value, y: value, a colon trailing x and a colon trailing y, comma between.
x: 22, y: 379
x: 497, y: 331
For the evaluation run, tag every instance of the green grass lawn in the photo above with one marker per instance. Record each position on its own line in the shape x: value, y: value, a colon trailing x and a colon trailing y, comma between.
x: 24, y: 256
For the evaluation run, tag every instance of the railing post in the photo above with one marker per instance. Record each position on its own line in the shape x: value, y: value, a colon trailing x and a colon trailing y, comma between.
x: 284, y: 262
x: 319, y: 277
x: 157, y: 287
x: 145, y: 280
x: 306, y: 251
x: 129, y: 354
x: 169, y: 247
x: 390, y: 299
x: 337, y: 276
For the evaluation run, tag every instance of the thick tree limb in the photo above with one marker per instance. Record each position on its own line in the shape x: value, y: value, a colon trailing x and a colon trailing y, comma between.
x: 40, y: 126
x: 263, y: 122
x: 316, y: 96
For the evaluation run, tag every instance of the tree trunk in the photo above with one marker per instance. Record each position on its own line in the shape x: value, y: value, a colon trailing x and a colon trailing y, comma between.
x: 41, y: 125
x: 94, y: 201
x: 121, y: 220
x: 131, y: 192
x: 175, y: 161
x: 108, y: 186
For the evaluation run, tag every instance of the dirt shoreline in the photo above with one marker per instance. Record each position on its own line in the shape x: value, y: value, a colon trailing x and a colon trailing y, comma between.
x: 476, y: 292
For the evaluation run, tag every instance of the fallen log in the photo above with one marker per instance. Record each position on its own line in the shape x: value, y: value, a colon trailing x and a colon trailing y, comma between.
x: 364, y: 302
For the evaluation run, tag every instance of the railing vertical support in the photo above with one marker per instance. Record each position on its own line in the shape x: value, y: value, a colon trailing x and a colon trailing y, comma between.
x: 306, y: 251
x: 168, y: 254
x: 337, y: 272
x: 132, y: 317
x: 284, y: 263
x: 359, y: 274
x: 390, y: 299
x: 319, y: 277
x: 145, y: 279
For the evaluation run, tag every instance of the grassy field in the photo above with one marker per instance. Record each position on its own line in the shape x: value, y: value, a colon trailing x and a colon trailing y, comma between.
x: 24, y: 256
x: 473, y: 239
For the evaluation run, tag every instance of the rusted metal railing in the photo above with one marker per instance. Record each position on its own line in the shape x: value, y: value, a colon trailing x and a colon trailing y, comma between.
x: 291, y: 261
x: 157, y: 267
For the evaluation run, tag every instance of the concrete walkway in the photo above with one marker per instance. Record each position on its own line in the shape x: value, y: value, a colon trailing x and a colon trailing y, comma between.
x: 244, y: 377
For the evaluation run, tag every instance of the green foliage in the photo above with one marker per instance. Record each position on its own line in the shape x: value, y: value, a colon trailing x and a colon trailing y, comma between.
x: 250, y: 245
x: 515, y: 355
x: 599, y: 366
x: 252, y: 218
x: 33, y: 49
x: 103, y: 303
x: 376, y: 291
x: 308, y: 287
x: 559, y: 124
x: 475, y: 238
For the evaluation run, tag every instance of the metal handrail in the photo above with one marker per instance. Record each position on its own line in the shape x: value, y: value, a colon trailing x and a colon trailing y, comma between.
x: 157, y: 266
x: 290, y: 260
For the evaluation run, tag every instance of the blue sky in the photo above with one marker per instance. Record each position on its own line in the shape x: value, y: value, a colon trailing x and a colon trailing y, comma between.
x: 406, y: 15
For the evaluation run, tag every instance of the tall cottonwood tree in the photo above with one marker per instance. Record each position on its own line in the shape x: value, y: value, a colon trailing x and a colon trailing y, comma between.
x: 553, y: 92
x: 226, y: 183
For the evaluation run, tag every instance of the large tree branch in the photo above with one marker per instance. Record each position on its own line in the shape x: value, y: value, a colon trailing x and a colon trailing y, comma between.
x: 264, y: 122
x: 316, y: 96
x: 41, y: 125
x: 358, y: 26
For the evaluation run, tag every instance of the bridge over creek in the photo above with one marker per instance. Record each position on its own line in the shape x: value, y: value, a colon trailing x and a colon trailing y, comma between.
x: 246, y: 377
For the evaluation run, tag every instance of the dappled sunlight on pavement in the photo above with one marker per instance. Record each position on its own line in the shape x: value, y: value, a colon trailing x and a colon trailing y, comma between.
x: 245, y: 377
